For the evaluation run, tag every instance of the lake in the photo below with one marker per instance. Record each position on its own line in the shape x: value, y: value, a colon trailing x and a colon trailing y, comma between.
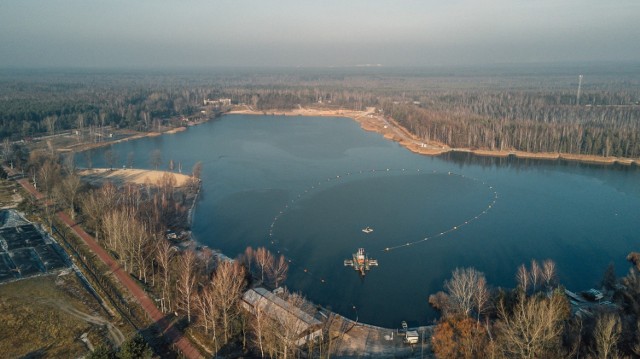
x: 306, y: 187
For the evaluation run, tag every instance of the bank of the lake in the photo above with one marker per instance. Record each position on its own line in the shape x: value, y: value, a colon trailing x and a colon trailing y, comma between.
x: 325, y: 179
x: 370, y: 120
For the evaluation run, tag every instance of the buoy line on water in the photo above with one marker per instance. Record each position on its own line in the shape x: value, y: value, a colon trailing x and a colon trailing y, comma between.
x: 319, y: 184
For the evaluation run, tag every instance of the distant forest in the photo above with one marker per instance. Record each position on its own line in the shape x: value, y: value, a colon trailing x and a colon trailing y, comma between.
x: 531, y: 110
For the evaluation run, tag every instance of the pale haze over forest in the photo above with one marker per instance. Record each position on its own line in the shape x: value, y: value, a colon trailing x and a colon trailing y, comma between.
x: 171, y: 33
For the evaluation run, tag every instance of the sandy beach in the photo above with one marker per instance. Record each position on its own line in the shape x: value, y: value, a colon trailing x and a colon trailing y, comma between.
x: 370, y: 120
x: 137, y: 176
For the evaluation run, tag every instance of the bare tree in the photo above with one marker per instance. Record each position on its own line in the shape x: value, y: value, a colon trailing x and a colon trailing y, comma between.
x: 141, y: 248
x: 48, y: 175
x: 7, y: 150
x: 186, y: 282
x: 264, y: 259
x: 69, y: 189
x: 523, y: 277
x: 481, y: 297
x: 534, y: 328
x: 549, y: 273
x: 163, y: 256
x: 463, y: 288
x: 277, y: 271
x: 209, y: 312
x: 258, y: 327
x: 97, y: 203
x: 607, y: 335
x: 535, y: 274
x: 69, y: 162
x: 229, y: 281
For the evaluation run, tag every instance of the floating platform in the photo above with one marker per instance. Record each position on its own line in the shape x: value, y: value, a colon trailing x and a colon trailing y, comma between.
x: 361, y: 262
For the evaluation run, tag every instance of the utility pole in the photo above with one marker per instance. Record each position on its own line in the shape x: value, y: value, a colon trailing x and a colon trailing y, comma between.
x: 422, y: 346
x: 579, y: 88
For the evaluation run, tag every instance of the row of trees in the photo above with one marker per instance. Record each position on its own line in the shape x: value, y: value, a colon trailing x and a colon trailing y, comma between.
x: 535, y: 319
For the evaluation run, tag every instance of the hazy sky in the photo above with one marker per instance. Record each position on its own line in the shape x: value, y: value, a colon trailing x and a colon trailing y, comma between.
x: 168, y: 33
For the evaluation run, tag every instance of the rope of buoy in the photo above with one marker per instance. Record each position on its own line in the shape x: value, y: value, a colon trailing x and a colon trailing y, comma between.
x: 274, y: 242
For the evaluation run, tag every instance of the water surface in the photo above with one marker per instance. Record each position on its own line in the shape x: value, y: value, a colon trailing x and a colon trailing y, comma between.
x: 305, y: 187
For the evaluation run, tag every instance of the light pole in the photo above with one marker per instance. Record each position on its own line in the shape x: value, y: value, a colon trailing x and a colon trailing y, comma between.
x: 356, y: 310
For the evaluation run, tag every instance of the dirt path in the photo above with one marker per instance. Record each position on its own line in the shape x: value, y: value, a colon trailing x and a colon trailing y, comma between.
x: 114, y: 333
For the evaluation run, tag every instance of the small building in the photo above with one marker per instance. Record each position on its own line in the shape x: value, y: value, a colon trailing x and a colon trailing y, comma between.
x: 218, y: 103
x: 305, y: 325
x: 411, y: 337
x: 593, y: 295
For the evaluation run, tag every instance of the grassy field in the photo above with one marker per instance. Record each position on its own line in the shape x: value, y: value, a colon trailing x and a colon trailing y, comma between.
x: 46, y: 317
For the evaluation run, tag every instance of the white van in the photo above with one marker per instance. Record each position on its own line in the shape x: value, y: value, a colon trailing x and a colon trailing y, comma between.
x: 411, y: 337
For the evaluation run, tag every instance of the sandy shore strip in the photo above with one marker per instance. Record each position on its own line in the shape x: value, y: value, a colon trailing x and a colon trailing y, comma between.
x: 370, y: 120
x: 175, y: 130
x: 129, y: 175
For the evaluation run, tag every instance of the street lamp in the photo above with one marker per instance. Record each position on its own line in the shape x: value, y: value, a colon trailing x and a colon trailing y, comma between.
x: 356, y: 310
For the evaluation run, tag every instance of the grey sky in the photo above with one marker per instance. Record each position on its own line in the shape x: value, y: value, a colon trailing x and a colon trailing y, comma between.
x: 160, y: 33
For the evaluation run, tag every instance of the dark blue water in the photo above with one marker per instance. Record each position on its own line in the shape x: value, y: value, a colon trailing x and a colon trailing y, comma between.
x: 306, y: 187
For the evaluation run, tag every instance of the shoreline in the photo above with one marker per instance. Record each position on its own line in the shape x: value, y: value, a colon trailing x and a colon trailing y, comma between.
x: 391, y: 130
x: 130, y: 136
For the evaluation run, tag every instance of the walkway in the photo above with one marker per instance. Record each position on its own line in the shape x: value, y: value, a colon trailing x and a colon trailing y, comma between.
x: 173, y: 335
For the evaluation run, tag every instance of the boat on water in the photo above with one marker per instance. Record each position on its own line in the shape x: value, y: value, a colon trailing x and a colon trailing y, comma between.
x: 367, y: 229
x: 361, y: 262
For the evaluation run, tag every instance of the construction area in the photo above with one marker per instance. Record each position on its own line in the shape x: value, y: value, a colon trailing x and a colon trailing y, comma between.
x: 25, y: 250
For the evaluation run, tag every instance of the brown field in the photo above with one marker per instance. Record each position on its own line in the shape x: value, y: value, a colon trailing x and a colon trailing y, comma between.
x: 46, y: 316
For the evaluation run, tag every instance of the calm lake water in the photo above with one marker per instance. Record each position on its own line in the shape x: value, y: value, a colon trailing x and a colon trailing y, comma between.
x: 307, y: 186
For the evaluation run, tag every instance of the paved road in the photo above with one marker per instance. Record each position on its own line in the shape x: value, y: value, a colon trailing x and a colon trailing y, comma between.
x: 173, y: 335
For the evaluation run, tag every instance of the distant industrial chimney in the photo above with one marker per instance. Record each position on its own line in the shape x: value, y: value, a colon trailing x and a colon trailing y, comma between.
x: 579, y: 88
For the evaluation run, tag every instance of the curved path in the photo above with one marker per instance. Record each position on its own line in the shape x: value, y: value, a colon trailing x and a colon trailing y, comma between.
x: 173, y: 335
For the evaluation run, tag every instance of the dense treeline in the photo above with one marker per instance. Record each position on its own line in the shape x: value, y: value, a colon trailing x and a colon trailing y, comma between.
x: 492, y: 110
x: 532, y: 122
x: 28, y: 109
